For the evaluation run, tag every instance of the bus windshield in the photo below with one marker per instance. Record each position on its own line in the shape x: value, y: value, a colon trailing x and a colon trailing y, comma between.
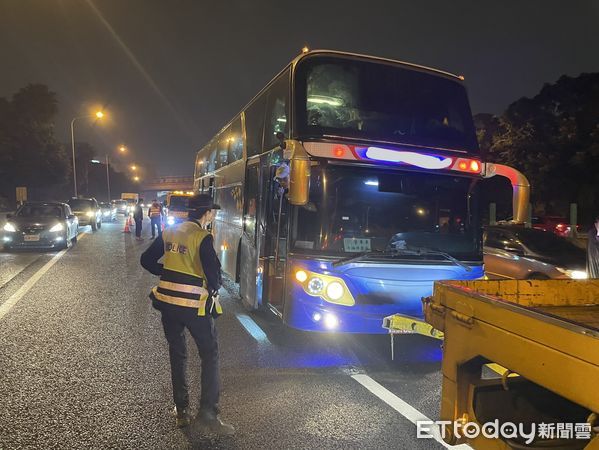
x: 356, y: 209
x: 178, y: 203
x: 382, y: 102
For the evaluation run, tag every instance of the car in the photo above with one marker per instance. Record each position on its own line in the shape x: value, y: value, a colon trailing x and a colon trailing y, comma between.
x: 121, y: 206
x: 555, y: 224
x: 87, y: 211
x: 41, y: 225
x: 108, y: 212
x: 516, y: 252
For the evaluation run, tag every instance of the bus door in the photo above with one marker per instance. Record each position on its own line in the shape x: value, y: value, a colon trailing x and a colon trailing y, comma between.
x: 250, y: 271
x: 275, y: 253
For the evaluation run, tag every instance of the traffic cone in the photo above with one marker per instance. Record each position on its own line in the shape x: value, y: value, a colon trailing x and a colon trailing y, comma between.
x: 127, y: 223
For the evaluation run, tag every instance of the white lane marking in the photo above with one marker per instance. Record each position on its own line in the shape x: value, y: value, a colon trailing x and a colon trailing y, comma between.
x: 405, y: 409
x: 252, y: 328
x: 14, y: 299
x: 17, y: 272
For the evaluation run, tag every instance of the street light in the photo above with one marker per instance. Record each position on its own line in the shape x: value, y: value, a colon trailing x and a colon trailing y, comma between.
x: 136, y: 178
x: 122, y: 149
x: 95, y: 161
x: 99, y: 115
x: 134, y: 167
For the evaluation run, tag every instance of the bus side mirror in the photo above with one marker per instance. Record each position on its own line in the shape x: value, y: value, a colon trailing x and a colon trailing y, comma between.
x: 299, y: 174
x: 299, y: 182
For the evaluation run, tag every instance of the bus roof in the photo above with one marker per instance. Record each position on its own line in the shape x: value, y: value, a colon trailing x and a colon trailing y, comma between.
x: 375, y: 58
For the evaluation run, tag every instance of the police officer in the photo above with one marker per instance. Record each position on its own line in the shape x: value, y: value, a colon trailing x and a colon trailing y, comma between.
x: 187, y: 298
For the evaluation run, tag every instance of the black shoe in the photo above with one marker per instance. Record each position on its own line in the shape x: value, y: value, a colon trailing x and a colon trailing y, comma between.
x: 183, y: 417
x: 209, y: 421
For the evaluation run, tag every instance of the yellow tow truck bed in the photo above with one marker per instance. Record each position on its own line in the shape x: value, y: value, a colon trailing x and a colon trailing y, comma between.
x: 545, y: 331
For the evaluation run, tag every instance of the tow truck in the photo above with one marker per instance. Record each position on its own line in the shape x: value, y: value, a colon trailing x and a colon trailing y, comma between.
x: 523, y: 352
x: 176, y: 206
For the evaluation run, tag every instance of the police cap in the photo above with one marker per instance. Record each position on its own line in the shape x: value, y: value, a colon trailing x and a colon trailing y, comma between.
x: 201, y: 201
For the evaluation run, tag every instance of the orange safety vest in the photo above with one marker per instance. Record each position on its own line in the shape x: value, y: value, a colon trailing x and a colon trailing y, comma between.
x: 154, y: 211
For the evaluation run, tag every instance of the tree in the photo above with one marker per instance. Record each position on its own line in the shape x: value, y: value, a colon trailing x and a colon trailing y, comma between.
x: 553, y: 139
x: 30, y: 153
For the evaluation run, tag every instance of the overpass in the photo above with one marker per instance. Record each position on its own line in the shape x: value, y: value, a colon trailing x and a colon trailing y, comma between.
x: 170, y: 183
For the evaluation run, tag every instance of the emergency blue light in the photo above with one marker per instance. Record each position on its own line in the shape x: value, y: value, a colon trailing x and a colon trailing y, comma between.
x: 423, y: 161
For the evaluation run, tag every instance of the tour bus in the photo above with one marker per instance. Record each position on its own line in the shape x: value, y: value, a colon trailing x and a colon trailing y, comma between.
x: 348, y: 185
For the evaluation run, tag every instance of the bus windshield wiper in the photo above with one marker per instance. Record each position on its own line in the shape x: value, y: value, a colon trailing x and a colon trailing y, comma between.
x: 430, y: 251
x: 359, y: 256
x: 415, y: 251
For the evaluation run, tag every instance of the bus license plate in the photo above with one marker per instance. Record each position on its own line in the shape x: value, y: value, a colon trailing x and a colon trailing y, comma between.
x: 32, y: 237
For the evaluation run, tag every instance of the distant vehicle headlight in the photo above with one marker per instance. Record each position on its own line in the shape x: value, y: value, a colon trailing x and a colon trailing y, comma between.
x: 315, y: 285
x: 574, y: 274
x: 170, y: 220
x: 9, y: 227
x: 89, y: 214
x: 106, y: 213
x: 57, y: 227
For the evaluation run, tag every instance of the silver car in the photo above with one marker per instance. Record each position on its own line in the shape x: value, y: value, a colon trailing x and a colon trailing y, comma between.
x: 514, y: 252
x: 41, y: 225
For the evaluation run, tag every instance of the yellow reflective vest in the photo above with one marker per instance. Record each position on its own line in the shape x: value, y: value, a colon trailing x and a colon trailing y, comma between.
x: 183, y: 282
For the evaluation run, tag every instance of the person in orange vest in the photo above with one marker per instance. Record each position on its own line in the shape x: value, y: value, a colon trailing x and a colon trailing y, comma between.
x: 187, y: 297
x: 155, y: 215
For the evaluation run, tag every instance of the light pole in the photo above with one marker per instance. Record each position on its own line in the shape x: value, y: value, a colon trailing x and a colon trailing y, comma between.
x: 99, y: 115
x: 108, y: 177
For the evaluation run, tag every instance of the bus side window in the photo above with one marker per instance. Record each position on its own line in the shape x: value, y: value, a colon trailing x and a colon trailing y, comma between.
x: 235, y: 141
x: 249, y: 218
x: 277, y: 112
x: 254, y: 126
x: 222, y: 149
x: 212, y: 157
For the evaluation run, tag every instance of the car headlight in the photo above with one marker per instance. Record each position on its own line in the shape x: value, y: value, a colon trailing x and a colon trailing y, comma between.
x: 170, y: 220
x: 89, y: 214
x: 9, y: 227
x: 574, y: 274
x: 330, y: 288
x: 57, y: 227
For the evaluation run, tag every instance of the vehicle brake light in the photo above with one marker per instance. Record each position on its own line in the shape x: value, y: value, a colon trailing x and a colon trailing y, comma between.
x: 326, y: 150
x: 467, y: 165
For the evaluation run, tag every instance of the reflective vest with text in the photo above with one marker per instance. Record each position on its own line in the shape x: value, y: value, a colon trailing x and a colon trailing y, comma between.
x: 183, y: 282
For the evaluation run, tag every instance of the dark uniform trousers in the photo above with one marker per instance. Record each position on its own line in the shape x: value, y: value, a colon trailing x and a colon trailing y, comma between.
x: 174, y: 321
x: 155, y: 223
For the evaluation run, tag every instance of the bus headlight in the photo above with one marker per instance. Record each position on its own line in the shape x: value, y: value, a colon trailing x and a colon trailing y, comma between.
x: 301, y: 276
x: 334, y: 290
x: 331, y: 289
x: 331, y: 321
x: 315, y: 286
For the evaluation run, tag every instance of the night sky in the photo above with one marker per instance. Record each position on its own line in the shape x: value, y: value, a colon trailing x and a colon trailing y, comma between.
x: 171, y: 73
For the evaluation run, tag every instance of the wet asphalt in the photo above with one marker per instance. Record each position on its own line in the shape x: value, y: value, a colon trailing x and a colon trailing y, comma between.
x: 84, y: 364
